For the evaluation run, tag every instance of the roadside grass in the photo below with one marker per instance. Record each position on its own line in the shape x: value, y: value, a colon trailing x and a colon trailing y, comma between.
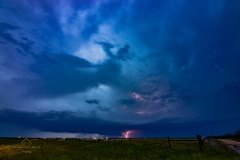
x: 132, y: 149
x: 236, y: 139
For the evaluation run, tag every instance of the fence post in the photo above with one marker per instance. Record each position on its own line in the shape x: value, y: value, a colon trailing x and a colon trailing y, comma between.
x: 200, y: 143
x: 169, y: 143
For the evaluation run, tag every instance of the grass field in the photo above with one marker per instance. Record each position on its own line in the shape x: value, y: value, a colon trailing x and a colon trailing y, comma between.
x: 139, y: 149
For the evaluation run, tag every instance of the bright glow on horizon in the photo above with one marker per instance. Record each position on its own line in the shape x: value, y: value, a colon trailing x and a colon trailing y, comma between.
x: 127, y: 134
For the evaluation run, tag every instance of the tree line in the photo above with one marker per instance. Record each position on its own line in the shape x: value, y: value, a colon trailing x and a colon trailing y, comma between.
x: 235, y: 135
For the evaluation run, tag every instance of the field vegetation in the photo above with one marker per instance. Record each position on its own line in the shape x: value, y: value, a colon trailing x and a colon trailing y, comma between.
x: 112, y: 149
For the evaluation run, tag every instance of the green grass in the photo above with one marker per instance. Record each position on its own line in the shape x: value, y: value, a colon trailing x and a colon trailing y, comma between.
x: 134, y: 149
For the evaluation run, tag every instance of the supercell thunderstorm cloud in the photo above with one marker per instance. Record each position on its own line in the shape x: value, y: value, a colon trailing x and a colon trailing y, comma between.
x: 81, y: 68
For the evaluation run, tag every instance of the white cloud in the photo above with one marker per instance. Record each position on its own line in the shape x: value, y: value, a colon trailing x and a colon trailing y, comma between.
x: 92, y: 52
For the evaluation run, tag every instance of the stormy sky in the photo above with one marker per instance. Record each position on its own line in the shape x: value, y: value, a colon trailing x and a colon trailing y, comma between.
x: 82, y: 68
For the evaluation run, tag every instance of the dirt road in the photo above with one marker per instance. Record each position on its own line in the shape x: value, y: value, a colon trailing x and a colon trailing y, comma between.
x: 235, y: 145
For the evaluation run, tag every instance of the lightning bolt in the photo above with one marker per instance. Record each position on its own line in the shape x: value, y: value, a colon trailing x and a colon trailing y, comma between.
x: 127, y: 134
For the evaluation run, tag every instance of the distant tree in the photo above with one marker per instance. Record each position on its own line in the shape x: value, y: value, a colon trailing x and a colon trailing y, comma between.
x: 237, y: 134
x: 228, y: 135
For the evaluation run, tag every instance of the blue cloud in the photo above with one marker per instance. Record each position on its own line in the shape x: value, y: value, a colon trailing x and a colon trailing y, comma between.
x: 54, y: 122
x: 128, y: 102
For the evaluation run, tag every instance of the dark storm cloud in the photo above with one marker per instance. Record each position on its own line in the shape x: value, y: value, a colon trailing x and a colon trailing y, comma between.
x: 6, y: 27
x: 25, y: 44
x: 62, y: 74
x: 231, y: 89
x: 45, y: 14
x: 59, y: 73
x: 67, y: 122
x: 187, y: 54
x: 68, y: 60
x: 92, y: 101
x: 110, y: 9
x: 103, y: 109
x: 183, y: 34
x: 109, y: 72
x: 62, y: 122
x: 226, y: 100
x: 107, y: 48
x: 123, y: 53
x: 127, y: 102
x: 191, y: 38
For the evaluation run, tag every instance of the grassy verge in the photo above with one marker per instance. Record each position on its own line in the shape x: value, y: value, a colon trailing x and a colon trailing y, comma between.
x: 149, y: 149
